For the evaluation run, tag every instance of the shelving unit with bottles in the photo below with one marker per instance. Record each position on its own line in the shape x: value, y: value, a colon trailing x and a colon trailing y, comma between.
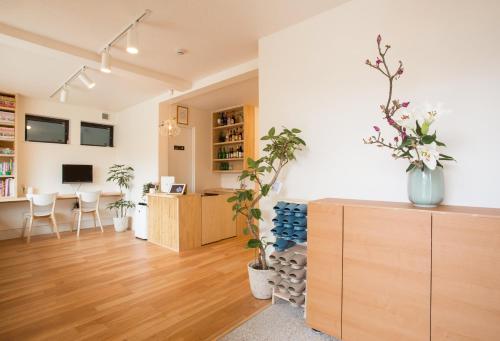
x: 8, y: 151
x: 233, y: 138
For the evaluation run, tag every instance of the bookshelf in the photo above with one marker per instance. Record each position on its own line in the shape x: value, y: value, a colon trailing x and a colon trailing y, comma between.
x: 8, y: 150
x: 233, y: 138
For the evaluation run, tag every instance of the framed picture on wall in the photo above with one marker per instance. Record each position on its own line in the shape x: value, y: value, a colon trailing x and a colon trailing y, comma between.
x: 182, y: 115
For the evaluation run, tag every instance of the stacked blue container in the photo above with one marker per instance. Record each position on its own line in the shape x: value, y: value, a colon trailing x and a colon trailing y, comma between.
x: 290, y: 224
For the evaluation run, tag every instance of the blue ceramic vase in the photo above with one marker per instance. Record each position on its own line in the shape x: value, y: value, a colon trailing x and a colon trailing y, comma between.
x: 426, y: 186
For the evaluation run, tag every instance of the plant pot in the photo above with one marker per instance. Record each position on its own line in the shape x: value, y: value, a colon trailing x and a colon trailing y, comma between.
x: 426, y: 186
x: 120, y: 224
x: 259, y: 285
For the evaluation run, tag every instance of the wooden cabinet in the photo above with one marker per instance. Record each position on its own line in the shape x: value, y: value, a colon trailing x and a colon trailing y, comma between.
x: 465, y: 277
x: 217, y: 218
x: 174, y: 221
x: 324, y: 270
x: 387, y: 274
x: 406, y: 273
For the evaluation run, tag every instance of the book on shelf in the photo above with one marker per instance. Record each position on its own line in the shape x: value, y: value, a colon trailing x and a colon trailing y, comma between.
x: 7, y: 187
x: 8, y: 102
x: 6, y: 116
x: 7, y: 167
x: 7, y: 133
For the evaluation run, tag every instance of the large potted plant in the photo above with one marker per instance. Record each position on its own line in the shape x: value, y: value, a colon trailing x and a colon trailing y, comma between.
x: 255, y: 183
x: 122, y: 175
x: 414, y: 140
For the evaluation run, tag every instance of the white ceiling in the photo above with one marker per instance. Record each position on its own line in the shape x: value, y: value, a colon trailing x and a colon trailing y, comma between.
x: 245, y: 92
x: 216, y: 33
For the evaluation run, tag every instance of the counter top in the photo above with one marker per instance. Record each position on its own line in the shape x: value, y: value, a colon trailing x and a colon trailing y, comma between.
x: 441, y: 209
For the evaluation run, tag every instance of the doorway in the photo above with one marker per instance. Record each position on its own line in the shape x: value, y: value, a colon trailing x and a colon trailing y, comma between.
x: 181, y: 157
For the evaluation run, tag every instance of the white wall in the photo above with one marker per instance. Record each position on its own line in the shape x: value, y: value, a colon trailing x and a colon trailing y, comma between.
x: 39, y: 165
x: 313, y: 77
x: 137, y: 143
x: 201, y: 121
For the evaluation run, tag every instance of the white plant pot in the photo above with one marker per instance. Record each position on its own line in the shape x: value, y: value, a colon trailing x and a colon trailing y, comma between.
x: 259, y: 286
x: 120, y: 224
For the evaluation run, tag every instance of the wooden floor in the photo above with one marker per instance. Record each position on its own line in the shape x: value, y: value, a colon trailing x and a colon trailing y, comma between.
x: 113, y: 286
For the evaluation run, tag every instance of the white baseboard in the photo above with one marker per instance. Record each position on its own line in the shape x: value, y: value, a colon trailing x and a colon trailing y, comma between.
x: 41, y: 227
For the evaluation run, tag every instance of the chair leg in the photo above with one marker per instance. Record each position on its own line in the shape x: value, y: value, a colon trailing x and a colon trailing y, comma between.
x: 29, y: 229
x: 95, y: 223
x: 73, y: 219
x: 55, y: 227
x: 99, y: 219
x: 79, y: 223
x: 25, y: 226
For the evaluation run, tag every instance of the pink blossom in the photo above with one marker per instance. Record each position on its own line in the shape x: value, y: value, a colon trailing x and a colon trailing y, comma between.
x: 396, y: 139
x: 379, y: 39
x: 378, y: 61
x: 400, y: 71
x: 377, y: 129
x: 405, y: 104
x: 390, y: 121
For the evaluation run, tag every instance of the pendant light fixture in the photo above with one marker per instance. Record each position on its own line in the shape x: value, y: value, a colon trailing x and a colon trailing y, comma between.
x: 169, y: 127
x: 63, y: 90
x: 82, y: 76
x: 131, y: 39
x: 105, y: 61
x: 63, y: 95
x: 132, y: 46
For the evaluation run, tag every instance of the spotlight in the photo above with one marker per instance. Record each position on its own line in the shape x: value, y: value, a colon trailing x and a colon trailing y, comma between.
x: 63, y: 95
x: 132, y: 46
x: 86, y: 80
x: 105, y: 61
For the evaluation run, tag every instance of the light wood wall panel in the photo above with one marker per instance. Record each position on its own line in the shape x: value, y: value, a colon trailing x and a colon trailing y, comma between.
x: 324, y: 270
x: 217, y: 218
x: 386, y: 274
x: 465, y: 277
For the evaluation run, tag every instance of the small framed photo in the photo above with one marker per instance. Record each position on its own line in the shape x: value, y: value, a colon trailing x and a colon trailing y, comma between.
x: 182, y: 115
x: 177, y: 189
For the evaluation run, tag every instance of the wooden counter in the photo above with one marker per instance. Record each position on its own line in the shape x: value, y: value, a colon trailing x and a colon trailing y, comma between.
x: 174, y: 221
x: 374, y: 266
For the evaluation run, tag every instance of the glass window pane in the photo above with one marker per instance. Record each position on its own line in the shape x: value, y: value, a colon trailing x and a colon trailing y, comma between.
x: 92, y: 134
x: 46, y: 129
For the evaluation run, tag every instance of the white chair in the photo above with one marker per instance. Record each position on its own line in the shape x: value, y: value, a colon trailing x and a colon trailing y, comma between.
x: 42, y: 206
x: 88, y: 202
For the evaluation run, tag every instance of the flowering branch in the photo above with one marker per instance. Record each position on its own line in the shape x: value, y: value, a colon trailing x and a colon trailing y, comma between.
x: 412, y: 142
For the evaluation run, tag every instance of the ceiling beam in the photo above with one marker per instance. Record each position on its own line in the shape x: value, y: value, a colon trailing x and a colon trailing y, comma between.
x: 33, y: 38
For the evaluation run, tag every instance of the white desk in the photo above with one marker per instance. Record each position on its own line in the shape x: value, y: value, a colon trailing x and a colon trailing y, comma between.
x: 59, y: 197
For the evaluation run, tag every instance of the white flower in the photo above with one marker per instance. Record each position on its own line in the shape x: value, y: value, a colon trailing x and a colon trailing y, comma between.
x: 427, y: 113
x: 405, y: 119
x: 428, y: 155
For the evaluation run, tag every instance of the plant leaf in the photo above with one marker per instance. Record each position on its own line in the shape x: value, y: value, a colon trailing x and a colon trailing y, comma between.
x: 253, y: 243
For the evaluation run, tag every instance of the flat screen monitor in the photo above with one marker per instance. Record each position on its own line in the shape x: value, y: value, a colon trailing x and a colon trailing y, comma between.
x: 76, y: 173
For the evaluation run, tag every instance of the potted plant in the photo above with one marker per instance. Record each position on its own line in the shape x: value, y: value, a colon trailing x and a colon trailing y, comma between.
x: 122, y: 175
x: 263, y: 173
x: 414, y: 140
x: 146, y: 188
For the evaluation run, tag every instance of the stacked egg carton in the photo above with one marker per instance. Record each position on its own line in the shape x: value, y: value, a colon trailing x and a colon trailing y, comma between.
x: 290, y: 225
x: 289, y: 275
x: 289, y: 259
